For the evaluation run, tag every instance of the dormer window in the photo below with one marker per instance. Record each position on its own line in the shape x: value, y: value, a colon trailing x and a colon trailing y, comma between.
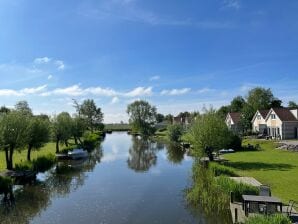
x: 259, y: 117
x: 273, y: 117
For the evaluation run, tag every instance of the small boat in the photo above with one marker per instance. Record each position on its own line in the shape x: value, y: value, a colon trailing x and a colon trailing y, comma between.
x: 222, y: 151
x: 77, y: 154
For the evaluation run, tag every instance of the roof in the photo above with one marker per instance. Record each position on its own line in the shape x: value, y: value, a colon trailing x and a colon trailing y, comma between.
x: 284, y: 114
x: 264, y: 113
x: 236, y: 116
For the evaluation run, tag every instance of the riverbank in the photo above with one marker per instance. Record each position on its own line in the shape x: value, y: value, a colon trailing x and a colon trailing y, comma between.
x: 270, y: 166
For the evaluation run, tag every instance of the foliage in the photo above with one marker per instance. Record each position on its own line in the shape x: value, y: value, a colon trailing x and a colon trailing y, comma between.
x: 260, y: 98
x: 292, y: 104
x: 246, y: 116
x: 62, y: 128
x: 223, y: 111
x: 219, y: 169
x: 235, y: 142
x: 67, y: 149
x: 13, y: 133
x: 209, y: 130
x: 160, y: 118
x: 175, y: 153
x: 40, y: 164
x: 4, y: 110
x: 169, y: 118
x: 142, y: 117
x: 117, y: 127
x: 175, y: 132
x: 237, y: 104
x: 92, y: 114
x: 37, y: 134
x: 273, y: 219
x: 5, y: 184
x: 228, y: 185
x: 78, y: 128
x: 91, y: 141
x: 23, y: 107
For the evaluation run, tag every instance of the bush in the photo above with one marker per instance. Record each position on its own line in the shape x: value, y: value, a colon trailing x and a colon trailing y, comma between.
x: 41, y: 164
x: 5, y: 184
x: 274, y: 219
x: 228, y: 185
x: 91, y: 141
x: 235, y: 142
x: 175, y: 132
x: 221, y: 170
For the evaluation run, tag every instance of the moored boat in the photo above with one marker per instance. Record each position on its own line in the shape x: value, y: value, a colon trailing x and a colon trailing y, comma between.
x: 77, y: 154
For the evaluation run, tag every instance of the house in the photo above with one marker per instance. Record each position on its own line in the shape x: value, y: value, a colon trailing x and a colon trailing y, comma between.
x: 282, y: 123
x: 183, y: 120
x: 258, y: 122
x: 233, y: 121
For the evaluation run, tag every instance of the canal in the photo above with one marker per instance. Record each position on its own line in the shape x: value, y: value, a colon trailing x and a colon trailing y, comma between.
x: 126, y: 181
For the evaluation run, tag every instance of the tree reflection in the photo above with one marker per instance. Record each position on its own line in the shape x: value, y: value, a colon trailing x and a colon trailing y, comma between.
x: 175, y: 153
x: 142, y: 154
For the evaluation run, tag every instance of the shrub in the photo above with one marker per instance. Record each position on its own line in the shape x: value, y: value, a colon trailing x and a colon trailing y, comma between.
x: 235, y: 142
x: 5, y: 184
x: 221, y: 170
x: 91, y: 141
x: 228, y: 185
x: 41, y: 164
x: 175, y: 131
x: 274, y: 219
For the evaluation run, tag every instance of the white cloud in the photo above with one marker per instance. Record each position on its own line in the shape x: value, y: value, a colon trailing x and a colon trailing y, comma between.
x: 234, y: 4
x: 154, y: 78
x: 139, y: 91
x: 43, y: 60
x: 60, y: 64
x: 22, y: 92
x: 101, y: 91
x: 175, y: 92
x: 114, y: 100
x: 205, y: 90
x: 50, y: 77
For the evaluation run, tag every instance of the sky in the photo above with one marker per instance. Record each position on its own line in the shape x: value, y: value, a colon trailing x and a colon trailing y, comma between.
x: 177, y: 55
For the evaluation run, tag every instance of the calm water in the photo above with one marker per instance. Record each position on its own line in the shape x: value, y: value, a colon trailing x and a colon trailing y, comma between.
x: 127, y: 180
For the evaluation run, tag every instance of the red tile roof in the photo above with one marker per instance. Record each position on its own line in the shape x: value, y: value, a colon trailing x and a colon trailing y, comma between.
x: 236, y: 116
x: 284, y: 114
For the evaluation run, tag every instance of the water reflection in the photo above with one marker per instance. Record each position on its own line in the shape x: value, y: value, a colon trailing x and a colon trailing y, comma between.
x: 142, y: 154
x: 175, y: 153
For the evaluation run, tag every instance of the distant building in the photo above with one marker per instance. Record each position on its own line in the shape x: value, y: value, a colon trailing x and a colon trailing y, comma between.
x: 181, y: 120
x: 259, y: 123
x: 282, y: 123
x: 233, y: 121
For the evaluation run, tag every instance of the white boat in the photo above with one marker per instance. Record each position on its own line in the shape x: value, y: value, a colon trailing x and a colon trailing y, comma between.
x: 77, y: 154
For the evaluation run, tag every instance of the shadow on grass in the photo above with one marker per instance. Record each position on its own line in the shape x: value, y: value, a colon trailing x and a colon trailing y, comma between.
x: 260, y: 166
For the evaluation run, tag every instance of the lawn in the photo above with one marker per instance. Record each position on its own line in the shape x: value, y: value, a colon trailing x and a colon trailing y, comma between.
x: 22, y: 156
x: 273, y: 167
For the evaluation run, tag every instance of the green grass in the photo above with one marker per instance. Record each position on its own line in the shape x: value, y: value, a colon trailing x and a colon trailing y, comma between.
x: 19, y: 157
x: 270, y: 166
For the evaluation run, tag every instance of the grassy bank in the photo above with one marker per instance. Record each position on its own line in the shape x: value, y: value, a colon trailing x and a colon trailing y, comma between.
x: 276, y: 168
x: 117, y: 127
x: 19, y: 157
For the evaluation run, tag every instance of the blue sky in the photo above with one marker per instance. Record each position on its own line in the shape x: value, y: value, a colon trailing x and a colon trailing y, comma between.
x: 178, y: 55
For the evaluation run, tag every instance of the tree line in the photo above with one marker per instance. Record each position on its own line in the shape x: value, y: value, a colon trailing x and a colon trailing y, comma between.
x: 20, y: 129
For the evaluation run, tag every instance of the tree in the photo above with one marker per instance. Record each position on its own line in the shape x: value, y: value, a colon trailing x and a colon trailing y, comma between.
x: 142, y: 117
x: 275, y: 103
x: 208, y: 133
x: 78, y: 129
x: 23, y: 107
x: 13, y: 132
x: 247, y: 114
x: 260, y: 98
x: 4, y: 110
x: 62, y: 125
x: 160, y: 118
x: 37, y: 134
x: 292, y: 104
x: 237, y: 104
x: 175, y: 131
x: 92, y: 114
x: 223, y: 111
x: 169, y: 118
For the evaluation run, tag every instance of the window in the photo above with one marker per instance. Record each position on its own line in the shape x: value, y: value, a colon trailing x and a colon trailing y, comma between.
x: 273, y: 116
x: 259, y: 117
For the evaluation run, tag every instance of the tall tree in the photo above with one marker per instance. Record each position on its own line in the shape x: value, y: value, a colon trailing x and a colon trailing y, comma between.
x: 260, y: 98
x: 78, y: 129
x: 23, y: 107
x: 223, y: 111
x: 247, y: 114
x: 237, y: 104
x: 13, y: 132
x: 142, y: 117
x: 160, y: 118
x: 169, y: 118
x: 292, y: 104
x: 91, y: 113
x: 37, y: 134
x: 4, y: 110
x: 62, y: 129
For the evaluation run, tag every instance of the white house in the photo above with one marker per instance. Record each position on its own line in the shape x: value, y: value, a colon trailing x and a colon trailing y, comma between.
x: 282, y: 123
x: 258, y: 122
x: 233, y: 121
